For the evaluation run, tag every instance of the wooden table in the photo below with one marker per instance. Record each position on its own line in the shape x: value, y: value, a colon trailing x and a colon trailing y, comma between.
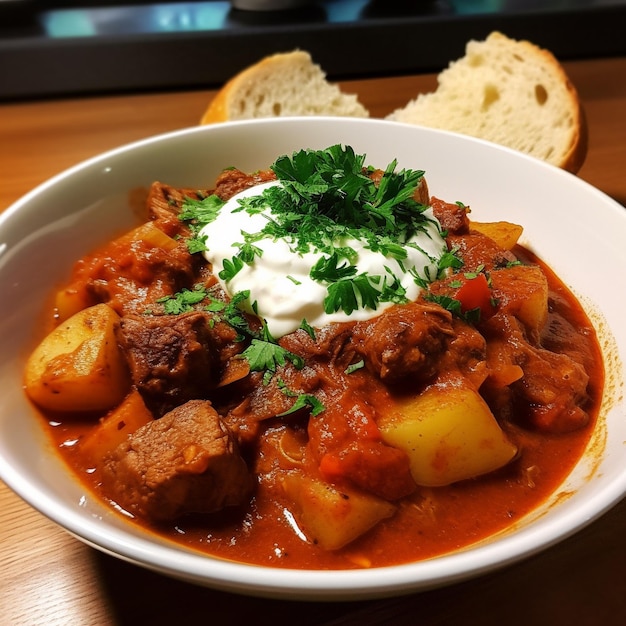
x: 48, y: 577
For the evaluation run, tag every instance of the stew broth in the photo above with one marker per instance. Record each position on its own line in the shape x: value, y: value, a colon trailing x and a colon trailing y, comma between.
x: 427, y: 522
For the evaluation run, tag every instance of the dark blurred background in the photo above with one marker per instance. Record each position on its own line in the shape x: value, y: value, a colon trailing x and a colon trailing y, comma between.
x: 50, y: 49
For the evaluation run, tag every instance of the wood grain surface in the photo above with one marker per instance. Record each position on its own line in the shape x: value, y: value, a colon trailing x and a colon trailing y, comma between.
x: 48, y: 577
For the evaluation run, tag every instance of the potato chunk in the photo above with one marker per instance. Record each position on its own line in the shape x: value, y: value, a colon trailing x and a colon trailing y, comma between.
x: 505, y: 234
x: 69, y: 301
x: 79, y: 366
x: 115, y: 427
x: 449, y: 434
x: 333, y: 517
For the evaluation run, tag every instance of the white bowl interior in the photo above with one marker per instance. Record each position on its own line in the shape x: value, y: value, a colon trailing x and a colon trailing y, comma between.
x: 575, y: 228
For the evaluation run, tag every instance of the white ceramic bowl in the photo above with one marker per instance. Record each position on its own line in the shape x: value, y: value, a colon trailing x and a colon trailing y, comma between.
x: 578, y: 230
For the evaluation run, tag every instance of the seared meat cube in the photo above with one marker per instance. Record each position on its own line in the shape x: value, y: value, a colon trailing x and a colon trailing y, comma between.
x: 453, y: 217
x: 129, y: 283
x: 186, y: 462
x: 331, y: 344
x: 165, y: 203
x: 405, y: 342
x: 479, y: 251
x: 555, y: 388
x: 233, y: 181
x: 171, y: 357
x: 551, y: 395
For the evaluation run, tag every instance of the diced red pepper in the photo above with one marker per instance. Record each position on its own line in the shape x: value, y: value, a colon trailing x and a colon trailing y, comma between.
x: 475, y: 293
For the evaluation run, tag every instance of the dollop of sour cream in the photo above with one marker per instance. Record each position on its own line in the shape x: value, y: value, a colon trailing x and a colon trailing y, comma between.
x: 278, y: 279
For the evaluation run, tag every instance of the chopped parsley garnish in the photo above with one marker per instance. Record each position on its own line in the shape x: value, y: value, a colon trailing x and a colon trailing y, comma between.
x: 330, y: 269
x: 248, y: 251
x: 183, y: 301
x: 197, y: 214
x: 327, y: 196
x: 480, y: 269
x: 354, y: 367
x: 472, y: 316
x: 196, y: 244
x: 450, y: 304
x: 455, y: 306
x: 350, y: 294
x: 323, y: 201
x: 235, y: 316
x: 362, y: 291
x: 263, y: 354
x: 302, y: 400
x: 231, y: 267
x: 267, y: 356
x: 304, y: 325
x: 448, y: 260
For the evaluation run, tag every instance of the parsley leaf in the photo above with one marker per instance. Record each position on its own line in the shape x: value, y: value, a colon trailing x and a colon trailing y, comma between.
x: 327, y: 195
x: 197, y: 214
x: 231, y: 268
x: 196, y: 244
x: 304, y: 325
x: 304, y: 400
x: 354, y: 367
x: 183, y: 301
x: 235, y: 316
x: 448, y: 260
x: 327, y: 269
x: 266, y: 356
x: 393, y: 292
x: 350, y: 294
x: 472, y: 316
x: 248, y: 251
x: 450, y: 304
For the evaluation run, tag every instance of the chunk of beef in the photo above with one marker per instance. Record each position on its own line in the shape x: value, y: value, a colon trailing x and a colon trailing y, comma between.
x: 331, y: 342
x: 130, y: 281
x: 405, y: 341
x: 552, y: 393
x: 172, y: 358
x: 452, y: 217
x: 265, y: 400
x: 562, y: 336
x: 467, y: 352
x: 164, y: 204
x: 554, y: 387
x: 479, y: 251
x: 232, y: 181
x: 185, y: 462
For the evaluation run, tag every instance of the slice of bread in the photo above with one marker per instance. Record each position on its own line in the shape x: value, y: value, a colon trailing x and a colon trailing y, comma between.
x: 509, y: 92
x: 285, y: 84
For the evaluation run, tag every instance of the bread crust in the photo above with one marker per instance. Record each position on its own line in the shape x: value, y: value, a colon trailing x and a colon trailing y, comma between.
x: 574, y: 157
x: 219, y: 108
x: 216, y: 111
